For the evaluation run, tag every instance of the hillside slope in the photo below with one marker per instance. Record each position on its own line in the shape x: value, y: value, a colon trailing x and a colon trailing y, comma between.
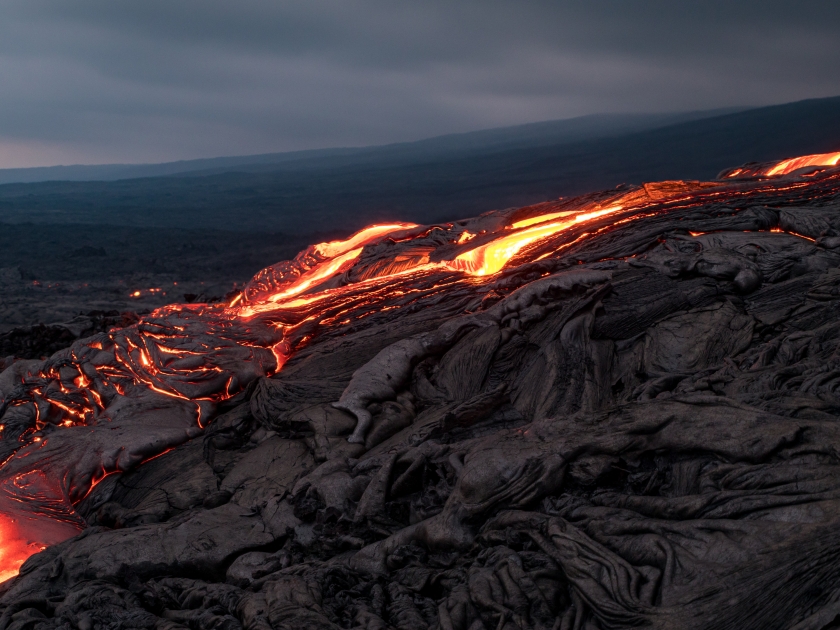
x: 347, y: 196
x: 520, y: 136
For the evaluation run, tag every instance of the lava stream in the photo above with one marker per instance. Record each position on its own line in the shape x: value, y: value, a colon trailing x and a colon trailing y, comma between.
x: 491, y: 258
x: 788, y: 166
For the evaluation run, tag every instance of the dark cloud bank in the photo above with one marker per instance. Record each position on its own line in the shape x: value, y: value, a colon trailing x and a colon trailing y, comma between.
x: 98, y: 81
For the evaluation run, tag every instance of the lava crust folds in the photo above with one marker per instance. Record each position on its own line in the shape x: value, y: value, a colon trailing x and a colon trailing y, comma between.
x: 618, y: 410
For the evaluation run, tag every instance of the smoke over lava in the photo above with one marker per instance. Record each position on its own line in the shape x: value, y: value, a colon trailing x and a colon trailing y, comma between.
x: 113, y: 401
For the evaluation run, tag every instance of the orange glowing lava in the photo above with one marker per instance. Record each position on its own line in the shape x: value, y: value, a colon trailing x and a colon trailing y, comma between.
x: 14, y: 548
x: 360, y: 239
x: 318, y: 274
x: 540, y: 219
x: 788, y: 166
x: 491, y: 258
x: 193, y: 357
x: 315, y: 266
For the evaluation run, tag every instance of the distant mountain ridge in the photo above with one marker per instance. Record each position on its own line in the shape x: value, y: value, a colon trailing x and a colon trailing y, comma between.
x: 433, y: 180
x: 519, y: 136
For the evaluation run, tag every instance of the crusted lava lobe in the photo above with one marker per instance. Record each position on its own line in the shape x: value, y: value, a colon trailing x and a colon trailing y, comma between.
x: 618, y: 410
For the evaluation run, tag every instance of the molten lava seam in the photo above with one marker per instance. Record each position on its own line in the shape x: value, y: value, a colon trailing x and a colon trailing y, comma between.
x: 785, y: 167
x: 172, y: 368
x: 788, y: 166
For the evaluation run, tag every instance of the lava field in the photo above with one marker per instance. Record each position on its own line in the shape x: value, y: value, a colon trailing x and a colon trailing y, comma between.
x: 611, y: 411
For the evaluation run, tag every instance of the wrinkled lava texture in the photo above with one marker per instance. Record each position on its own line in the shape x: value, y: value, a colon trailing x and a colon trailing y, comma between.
x: 612, y: 411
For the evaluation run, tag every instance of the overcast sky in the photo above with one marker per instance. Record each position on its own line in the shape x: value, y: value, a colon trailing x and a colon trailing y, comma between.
x: 99, y: 81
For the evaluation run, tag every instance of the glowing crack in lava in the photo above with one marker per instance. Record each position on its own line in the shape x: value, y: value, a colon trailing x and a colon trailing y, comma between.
x: 113, y: 401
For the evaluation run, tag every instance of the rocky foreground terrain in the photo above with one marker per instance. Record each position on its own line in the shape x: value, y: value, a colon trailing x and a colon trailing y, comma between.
x: 614, y: 411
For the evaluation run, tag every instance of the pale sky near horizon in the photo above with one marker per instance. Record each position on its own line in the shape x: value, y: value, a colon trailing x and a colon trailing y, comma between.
x: 98, y: 81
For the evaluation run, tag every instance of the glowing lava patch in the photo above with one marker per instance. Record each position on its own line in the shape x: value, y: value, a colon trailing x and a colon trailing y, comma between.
x: 793, y: 164
x: 14, y: 548
x: 491, y: 258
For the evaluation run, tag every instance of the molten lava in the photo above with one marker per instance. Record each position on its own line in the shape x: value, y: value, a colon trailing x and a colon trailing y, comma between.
x: 788, y: 166
x: 491, y: 258
x: 14, y: 548
x: 113, y: 401
x: 785, y: 167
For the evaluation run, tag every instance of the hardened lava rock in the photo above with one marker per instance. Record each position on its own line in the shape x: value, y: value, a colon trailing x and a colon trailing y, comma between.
x: 637, y: 425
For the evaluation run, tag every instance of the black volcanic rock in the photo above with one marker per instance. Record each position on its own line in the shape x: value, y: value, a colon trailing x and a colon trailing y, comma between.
x: 42, y: 340
x: 633, y: 426
x: 88, y: 251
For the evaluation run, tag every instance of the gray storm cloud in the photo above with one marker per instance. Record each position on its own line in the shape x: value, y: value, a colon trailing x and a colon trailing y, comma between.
x: 99, y: 81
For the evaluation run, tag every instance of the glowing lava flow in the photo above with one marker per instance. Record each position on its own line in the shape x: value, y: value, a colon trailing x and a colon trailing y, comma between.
x: 784, y: 167
x: 360, y: 239
x: 788, y: 166
x: 155, y: 383
x: 491, y: 258
x: 14, y: 548
x: 310, y: 268
x: 113, y: 401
